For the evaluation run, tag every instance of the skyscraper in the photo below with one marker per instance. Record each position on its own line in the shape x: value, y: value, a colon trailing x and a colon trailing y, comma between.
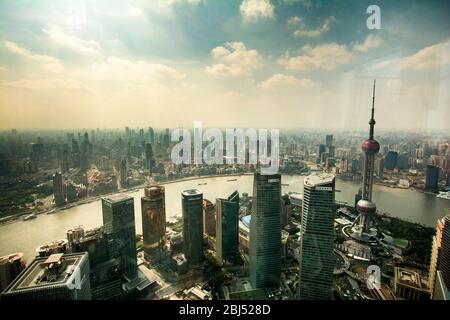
x: 65, y: 160
x: 365, y: 206
x: 58, y: 189
x: 191, y: 204
x: 391, y: 160
x: 57, y: 277
x: 10, y: 267
x: 265, y: 231
x: 329, y: 140
x: 431, y: 177
x: 435, y: 253
x: 440, y: 254
x: 151, y: 135
x: 317, y: 236
x: 118, y: 218
x: 227, y: 232
x: 209, y: 218
x: 153, y: 221
x: 149, y: 161
x: 123, y: 173
x: 104, y: 261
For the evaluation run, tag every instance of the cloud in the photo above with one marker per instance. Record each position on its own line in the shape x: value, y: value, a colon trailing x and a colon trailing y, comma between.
x: 234, y: 59
x: 132, y: 71
x: 40, y: 84
x: 433, y: 56
x: 371, y: 42
x: 324, y: 28
x: 252, y: 10
x: 325, y: 56
x: 294, y: 20
x: 284, y: 81
x: 47, y: 62
x: 58, y: 36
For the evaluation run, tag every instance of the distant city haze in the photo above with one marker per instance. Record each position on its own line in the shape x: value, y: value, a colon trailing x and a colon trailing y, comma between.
x: 102, y: 64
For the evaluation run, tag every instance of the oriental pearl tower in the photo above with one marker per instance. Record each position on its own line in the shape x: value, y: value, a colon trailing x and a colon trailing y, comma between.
x: 366, y: 208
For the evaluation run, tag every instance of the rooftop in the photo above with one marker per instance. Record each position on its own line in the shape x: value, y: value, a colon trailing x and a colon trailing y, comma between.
x: 319, y: 179
x: 191, y: 192
x: 11, y: 258
x: 35, y: 275
x: 246, y: 220
x: 119, y: 197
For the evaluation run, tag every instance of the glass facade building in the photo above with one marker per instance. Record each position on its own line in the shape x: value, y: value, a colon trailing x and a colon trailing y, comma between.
x: 317, y: 236
x: 118, y: 218
x: 227, y: 232
x: 192, y: 208
x: 154, y: 221
x: 265, y: 231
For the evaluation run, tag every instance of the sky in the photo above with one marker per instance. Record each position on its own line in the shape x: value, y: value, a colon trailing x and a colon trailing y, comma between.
x: 234, y: 63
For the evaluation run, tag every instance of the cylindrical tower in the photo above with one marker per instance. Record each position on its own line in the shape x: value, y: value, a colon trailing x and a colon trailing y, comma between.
x: 370, y: 147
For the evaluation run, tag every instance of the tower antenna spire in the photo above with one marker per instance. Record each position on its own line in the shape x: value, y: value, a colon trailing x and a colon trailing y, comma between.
x: 372, y: 118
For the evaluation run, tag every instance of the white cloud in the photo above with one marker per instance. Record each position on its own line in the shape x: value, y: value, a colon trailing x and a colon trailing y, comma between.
x: 132, y: 71
x: 58, y: 36
x: 47, y: 62
x: 135, y: 11
x: 252, y: 10
x: 42, y: 84
x: 324, y: 28
x: 284, y: 81
x: 294, y: 20
x: 234, y: 59
x: 371, y: 42
x: 325, y: 56
x: 433, y: 56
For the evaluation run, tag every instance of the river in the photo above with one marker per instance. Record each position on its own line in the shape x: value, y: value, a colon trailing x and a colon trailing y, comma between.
x: 25, y: 236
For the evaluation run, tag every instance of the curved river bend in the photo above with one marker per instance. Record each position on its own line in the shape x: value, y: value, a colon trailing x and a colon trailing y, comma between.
x: 25, y: 236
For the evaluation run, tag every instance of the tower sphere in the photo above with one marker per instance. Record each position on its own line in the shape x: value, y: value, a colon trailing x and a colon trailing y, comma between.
x: 366, y: 206
x: 371, y: 146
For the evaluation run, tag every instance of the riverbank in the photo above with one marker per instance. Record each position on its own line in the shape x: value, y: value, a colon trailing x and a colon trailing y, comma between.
x: 54, y: 210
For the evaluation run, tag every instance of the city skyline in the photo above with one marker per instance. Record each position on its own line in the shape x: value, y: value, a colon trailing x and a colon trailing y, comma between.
x: 173, y: 62
x: 225, y: 150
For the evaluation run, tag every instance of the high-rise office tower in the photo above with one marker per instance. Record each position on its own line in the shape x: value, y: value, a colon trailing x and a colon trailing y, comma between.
x: 118, y: 218
x: 227, y: 230
x: 65, y: 160
x: 265, y: 231
x: 320, y: 151
x: 380, y: 168
x: 151, y: 135
x: 317, y: 236
x: 57, y: 277
x: 440, y: 254
x: 431, y: 177
x: 435, y: 253
x: 209, y: 218
x: 104, y: 261
x: 391, y: 160
x: 123, y: 173
x: 58, y: 189
x: 286, y: 209
x: 154, y: 221
x: 191, y: 204
x: 329, y: 140
x: 149, y: 161
x: 10, y: 267
x: 167, y: 138
x: 366, y: 208
x: 85, y: 155
x: 75, y: 154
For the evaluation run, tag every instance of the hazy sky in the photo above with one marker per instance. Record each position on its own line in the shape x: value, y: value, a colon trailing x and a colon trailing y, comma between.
x: 233, y: 63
